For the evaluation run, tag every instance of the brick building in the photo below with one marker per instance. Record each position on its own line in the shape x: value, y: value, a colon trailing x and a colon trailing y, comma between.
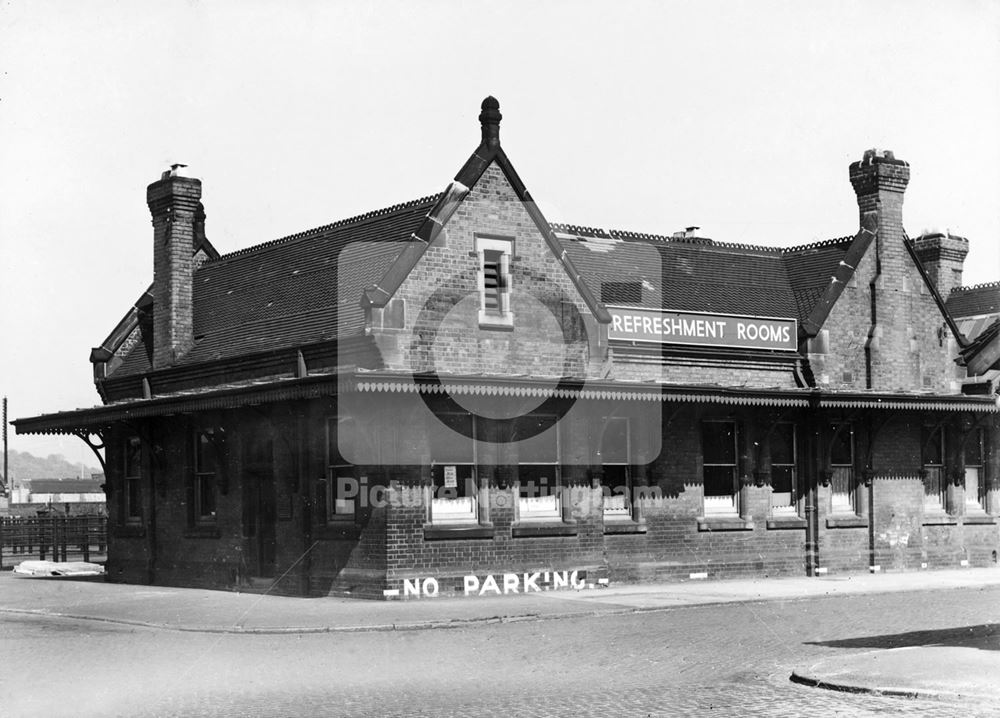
x: 453, y: 395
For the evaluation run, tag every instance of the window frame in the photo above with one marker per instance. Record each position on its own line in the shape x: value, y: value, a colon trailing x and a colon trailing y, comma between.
x: 978, y: 501
x: 503, y: 316
x: 436, y: 505
x: 337, y: 510
x: 205, y: 482
x: 850, y: 504
x: 625, y: 510
x: 791, y: 507
x: 714, y: 505
x: 553, y: 513
x: 935, y: 489
x: 132, y: 482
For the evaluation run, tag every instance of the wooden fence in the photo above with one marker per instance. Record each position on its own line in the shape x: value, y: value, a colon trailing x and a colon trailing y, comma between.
x: 56, y: 538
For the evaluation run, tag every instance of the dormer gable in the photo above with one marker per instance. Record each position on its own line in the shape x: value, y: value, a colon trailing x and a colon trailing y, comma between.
x: 483, y: 285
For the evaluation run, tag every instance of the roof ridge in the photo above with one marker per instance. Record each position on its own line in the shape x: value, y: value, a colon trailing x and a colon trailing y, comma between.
x: 817, y: 245
x: 706, y: 241
x: 577, y: 229
x: 333, y: 225
x: 650, y: 237
x: 983, y: 285
x: 625, y: 234
x: 741, y: 245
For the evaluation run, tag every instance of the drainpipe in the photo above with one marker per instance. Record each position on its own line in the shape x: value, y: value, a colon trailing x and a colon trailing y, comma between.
x: 812, y: 491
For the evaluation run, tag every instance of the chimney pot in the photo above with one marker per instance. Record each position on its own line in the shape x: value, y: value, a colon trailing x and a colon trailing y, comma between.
x: 490, y: 118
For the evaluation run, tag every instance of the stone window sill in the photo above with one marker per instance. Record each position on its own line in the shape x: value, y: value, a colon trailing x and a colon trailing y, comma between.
x: 623, y: 526
x: 503, y: 323
x: 979, y: 519
x: 528, y: 530
x: 445, y: 532
x: 724, y: 523
x: 846, y: 522
x: 939, y: 520
x: 786, y: 522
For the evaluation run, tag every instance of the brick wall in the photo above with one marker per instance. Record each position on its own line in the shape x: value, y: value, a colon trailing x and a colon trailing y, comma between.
x: 442, y: 331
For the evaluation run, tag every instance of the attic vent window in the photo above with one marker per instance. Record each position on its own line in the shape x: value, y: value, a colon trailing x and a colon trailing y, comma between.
x: 494, y: 281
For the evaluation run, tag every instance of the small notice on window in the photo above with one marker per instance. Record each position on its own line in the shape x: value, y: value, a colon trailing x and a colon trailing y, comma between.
x: 450, y: 477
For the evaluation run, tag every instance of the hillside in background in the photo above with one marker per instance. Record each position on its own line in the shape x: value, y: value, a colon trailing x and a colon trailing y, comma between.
x: 22, y: 465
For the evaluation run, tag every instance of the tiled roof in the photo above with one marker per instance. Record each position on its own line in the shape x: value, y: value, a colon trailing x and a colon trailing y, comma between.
x: 297, y: 290
x: 974, y: 301
x: 809, y: 269
x: 696, y: 274
x: 974, y: 309
x: 305, y: 288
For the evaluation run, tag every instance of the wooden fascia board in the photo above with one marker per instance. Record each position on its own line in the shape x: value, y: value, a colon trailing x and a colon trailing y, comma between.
x: 122, y: 330
x: 379, y: 294
x: 207, y: 372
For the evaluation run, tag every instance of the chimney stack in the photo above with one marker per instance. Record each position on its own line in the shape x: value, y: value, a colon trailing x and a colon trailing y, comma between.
x: 942, y: 255
x: 175, y: 207
x: 879, y: 181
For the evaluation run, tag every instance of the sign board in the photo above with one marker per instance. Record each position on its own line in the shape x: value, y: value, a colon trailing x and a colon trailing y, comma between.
x: 450, y: 477
x: 710, y: 330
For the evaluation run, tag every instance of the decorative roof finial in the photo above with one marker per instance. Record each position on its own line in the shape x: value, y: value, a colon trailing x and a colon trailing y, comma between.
x: 490, y: 119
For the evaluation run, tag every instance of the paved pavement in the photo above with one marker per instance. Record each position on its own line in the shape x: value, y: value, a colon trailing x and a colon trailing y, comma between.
x: 924, y: 664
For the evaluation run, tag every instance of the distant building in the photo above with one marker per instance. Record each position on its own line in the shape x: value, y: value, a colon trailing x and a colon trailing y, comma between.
x: 70, y: 497
x: 453, y: 395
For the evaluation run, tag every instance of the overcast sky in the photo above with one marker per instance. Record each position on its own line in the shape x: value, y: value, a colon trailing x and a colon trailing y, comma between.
x: 739, y: 117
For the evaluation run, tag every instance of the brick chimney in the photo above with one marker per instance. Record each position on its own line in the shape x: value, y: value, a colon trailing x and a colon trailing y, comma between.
x: 942, y: 255
x: 879, y: 181
x: 174, y: 204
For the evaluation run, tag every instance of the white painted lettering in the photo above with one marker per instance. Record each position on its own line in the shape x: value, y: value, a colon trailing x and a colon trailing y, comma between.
x: 411, y: 587
x: 559, y: 579
x: 471, y: 584
x: 616, y: 322
x: 531, y: 582
x: 430, y: 587
x: 490, y: 584
x: 509, y: 583
x: 576, y: 582
x: 647, y: 325
x: 741, y: 330
x: 657, y: 325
